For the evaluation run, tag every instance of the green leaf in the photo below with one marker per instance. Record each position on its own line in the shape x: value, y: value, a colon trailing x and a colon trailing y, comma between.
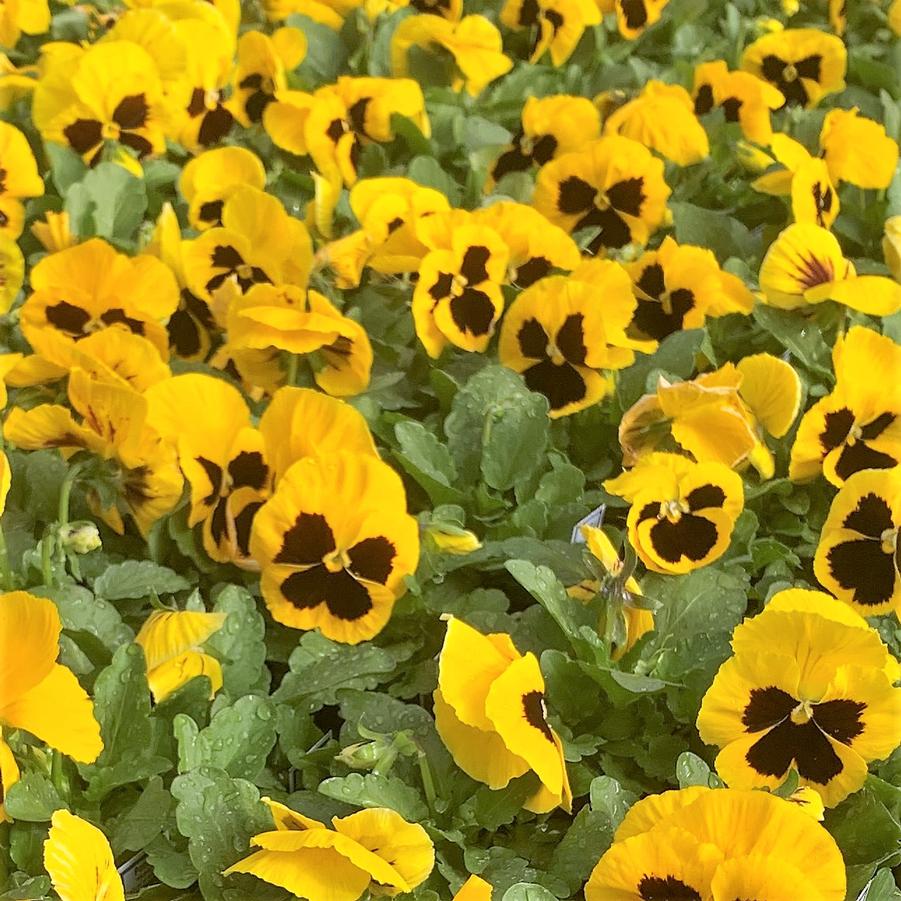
x: 428, y: 461
x: 370, y: 790
x: 428, y: 172
x: 108, y: 202
x: 138, y: 827
x: 320, y: 668
x: 675, y: 357
x: 33, y: 798
x: 37, y: 887
x: 137, y: 579
x: 719, y: 231
x: 240, y: 644
x: 218, y: 815
x: 66, y: 166
x: 489, y: 809
x: 238, y: 739
x: 80, y: 611
x: 528, y: 891
x: 691, y: 770
x: 122, y: 707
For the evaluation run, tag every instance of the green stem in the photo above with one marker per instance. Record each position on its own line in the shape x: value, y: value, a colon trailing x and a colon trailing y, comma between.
x: 427, y: 782
x: 47, y: 543
x: 5, y: 572
x: 293, y: 364
x: 57, y: 776
x: 65, y: 493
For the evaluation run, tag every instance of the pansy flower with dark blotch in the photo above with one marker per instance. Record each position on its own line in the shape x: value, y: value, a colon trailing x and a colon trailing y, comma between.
x: 662, y: 118
x: 856, y: 426
x: 744, y: 98
x: 90, y: 287
x: 677, y: 286
x: 554, y: 26
x: 387, y: 209
x: 803, y: 63
x: 219, y: 450
x: 204, y: 120
x: 372, y: 852
x: 474, y: 43
x: 192, y: 328
x: 209, y: 178
x: 859, y: 555
x: 258, y: 243
x: 566, y: 336
x: 614, y: 187
x: 805, y: 265
x: 491, y: 713
x: 109, y: 92
x: 114, y: 427
x: 858, y: 150
x: 335, y: 544
x: 261, y: 73
x: 536, y: 247
x: 458, y: 297
x: 698, y: 844
x: 633, y: 16
x: 332, y: 124
x: 804, y: 178
x: 682, y: 513
x: 296, y: 323
x: 19, y: 179
x: 550, y: 127
x: 810, y: 688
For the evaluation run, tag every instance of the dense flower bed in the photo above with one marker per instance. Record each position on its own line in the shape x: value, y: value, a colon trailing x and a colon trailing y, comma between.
x: 450, y: 450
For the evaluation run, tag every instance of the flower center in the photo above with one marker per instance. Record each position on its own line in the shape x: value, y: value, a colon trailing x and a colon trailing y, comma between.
x: 672, y: 510
x: 211, y: 100
x: 110, y: 131
x: 802, y: 714
x: 556, y: 357
x: 244, y: 271
x: 889, y: 541
x: 602, y: 202
x: 790, y: 73
x: 336, y: 561
x: 458, y: 285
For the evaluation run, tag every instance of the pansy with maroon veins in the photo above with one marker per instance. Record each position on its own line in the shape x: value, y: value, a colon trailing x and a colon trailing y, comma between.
x: 19, y: 179
x: 699, y: 844
x: 810, y: 688
x: 490, y: 712
x: 682, y: 513
x: 537, y: 248
x: 110, y: 92
x: 803, y: 63
x: 263, y: 64
x: 614, y: 188
x: 677, y: 286
x: 335, y: 544
x: 458, y: 297
x: 858, y: 425
x: 550, y: 127
x: 90, y: 287
x: 566, y: 336
x: 805, y: 265
x: 662, y: 118
x: 859, y: 555
x: 257, y: 243
x: 332, y: 124
x: 633, y: 16
x: 744, y: 98
x: 553, y: 25
x: 113, y: 425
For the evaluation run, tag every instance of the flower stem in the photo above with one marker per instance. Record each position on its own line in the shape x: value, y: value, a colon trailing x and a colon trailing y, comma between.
x: 65, y: 492
x: 5, y: 572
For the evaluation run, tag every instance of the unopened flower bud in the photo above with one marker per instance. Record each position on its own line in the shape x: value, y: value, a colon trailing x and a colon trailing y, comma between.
x: 80, y: 537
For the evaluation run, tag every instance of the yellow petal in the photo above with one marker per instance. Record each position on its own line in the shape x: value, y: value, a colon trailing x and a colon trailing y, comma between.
x: 59, y: 712
x: 80, y: 862
x: 166, y: 634
x: 180, y: 670
x: 772, y: 389
x: 29, y: 643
